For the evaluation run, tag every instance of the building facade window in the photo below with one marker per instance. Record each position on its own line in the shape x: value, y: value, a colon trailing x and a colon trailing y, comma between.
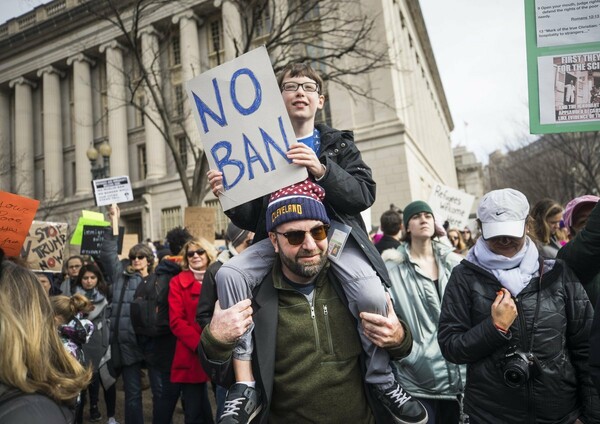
x: 175, y: 50
x: 262, y: 20
x: 215, y: 42
x: 182, y: 148
x: 170, y: 218
x: 142, y: 164
x: 178, y: 98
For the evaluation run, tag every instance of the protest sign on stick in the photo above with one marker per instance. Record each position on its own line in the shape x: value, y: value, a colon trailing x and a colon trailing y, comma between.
x: 244, y: 127
x: 452, y: 205
x: 44, y: 246
x: 110, y: 191
x: 16, y: 216
x: 90, y: 218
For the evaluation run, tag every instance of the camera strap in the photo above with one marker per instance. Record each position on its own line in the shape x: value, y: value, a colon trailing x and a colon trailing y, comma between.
x: 537, y: 307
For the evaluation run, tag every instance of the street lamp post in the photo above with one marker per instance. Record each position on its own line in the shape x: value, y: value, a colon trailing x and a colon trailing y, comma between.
x: 99, y: 170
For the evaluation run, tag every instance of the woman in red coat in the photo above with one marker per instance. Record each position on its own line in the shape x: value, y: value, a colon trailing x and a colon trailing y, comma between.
x: 184, y: 293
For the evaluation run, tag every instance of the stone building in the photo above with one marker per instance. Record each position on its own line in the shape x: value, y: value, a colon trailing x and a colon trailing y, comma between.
x: 470, y: 174
x: 63, y: 77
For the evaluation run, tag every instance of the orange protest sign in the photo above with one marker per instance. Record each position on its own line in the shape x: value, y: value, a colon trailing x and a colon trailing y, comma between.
x: 16, y: 216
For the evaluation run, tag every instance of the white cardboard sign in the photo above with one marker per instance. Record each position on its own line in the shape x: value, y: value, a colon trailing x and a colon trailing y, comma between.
x: 244, y: 127
x: 112, y: 190
x: 451, y: 204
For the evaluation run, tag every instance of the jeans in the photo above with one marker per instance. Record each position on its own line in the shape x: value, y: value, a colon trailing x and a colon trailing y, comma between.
x: 132, y: 385
x: 220, y: 396
x: 165, y: 404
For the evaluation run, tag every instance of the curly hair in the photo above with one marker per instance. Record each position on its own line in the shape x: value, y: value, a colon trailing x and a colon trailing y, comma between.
x: 142, y: 249
x: 67, y: 307
x: 33, y: 358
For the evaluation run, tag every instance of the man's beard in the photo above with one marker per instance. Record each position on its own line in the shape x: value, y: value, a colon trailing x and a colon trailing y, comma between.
x: 306, y: 270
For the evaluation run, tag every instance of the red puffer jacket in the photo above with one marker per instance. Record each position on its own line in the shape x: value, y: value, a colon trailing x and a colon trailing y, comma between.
x: 184, y: 293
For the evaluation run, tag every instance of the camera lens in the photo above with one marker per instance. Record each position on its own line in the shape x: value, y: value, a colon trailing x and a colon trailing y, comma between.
x: 514, y: 377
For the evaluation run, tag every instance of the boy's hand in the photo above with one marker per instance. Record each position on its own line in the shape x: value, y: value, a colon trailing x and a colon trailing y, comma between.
x: 302, y: 155
x: 228, y: 325
x: 215, y: 178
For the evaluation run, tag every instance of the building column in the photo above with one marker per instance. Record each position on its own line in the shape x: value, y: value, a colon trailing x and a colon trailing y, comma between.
x: 24, y: 171
x: 190, y: 67
x: 53, y: 148
x: 117, y: 112
x: 83, y: 120
x: 232, y: 28
x: 153, y: 124
x: 5, y: 176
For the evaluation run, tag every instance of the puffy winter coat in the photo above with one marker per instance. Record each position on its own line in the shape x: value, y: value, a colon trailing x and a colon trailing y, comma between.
x: 125, y: 284
x: 418, y: 300
x: 563, y: 390
x: 349, y: 190
x: 99, y: 342
x: 184, y: 293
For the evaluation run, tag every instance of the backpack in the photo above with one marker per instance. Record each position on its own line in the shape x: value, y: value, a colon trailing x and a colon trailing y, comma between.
x: 150, y: 309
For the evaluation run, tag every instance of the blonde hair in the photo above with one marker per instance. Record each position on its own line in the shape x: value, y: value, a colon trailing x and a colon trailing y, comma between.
x: 33, y: 358
x: 67, y: 307
x: 211, y: 252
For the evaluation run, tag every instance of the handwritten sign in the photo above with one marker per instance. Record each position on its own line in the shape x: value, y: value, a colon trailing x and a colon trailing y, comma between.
x: 451, y: 205
x: 112, y: 190
x: 200, y: 222
x: 87, y: 218
x: 44, y: 246
x: 244, y: 127
x: 16, y: 216
x: 92, y: 238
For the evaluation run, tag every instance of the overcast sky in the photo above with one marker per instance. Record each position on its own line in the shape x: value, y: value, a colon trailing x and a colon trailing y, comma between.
x: 479, y: 47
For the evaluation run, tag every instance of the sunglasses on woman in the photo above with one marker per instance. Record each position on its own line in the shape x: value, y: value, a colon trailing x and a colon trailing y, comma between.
x: 296, y: 238
x: 199, y: 252
x: 138, y: 257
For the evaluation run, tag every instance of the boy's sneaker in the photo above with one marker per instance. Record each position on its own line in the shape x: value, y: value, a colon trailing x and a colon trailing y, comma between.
x: 242, y: 404
x: 401, y: 406
x: 95, y: 414
x: 112, y: 420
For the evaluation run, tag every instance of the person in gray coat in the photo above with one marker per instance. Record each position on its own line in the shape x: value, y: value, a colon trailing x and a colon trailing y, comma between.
x: 126, y: 351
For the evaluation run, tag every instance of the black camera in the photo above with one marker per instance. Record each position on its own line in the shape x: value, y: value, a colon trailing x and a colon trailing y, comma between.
x: 518, y: 367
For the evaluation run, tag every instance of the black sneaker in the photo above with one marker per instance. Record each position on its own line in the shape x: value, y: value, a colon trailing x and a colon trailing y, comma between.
x: 242, y: 404
x: 401, y: 406
x: 95, y: 414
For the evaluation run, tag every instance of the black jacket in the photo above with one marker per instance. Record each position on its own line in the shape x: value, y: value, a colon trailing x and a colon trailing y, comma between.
x: 563, y: 391
x: 386, y: 242
x: 349, y: 190
x: 208, y: 295
x: 17, y: 407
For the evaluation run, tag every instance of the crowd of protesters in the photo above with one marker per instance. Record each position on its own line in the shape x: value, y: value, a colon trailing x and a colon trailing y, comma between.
x: 491, y: 323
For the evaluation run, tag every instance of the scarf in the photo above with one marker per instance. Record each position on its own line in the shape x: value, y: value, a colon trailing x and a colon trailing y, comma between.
x: 513, y: 273
x: 198, y: 275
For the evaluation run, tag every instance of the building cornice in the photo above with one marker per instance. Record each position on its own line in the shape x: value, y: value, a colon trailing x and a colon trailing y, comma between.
x: 22, y: 81
x: 50, y: 70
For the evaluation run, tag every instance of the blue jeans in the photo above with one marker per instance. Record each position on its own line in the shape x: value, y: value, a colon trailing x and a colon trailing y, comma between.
x: 167, y: 401
x: 220, y: 396
x: 132, y: 386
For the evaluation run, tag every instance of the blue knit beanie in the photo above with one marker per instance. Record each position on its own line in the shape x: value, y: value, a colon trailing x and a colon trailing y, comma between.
x: 299, y: 201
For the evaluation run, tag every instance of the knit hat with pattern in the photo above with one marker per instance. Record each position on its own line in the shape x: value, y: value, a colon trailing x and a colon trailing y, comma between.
x: 302, y: 200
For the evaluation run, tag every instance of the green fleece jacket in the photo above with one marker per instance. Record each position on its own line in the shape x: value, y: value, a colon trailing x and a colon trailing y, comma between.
x: 317, y: 375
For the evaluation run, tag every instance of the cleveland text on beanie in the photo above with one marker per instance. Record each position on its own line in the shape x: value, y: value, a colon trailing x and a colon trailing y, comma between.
x: 503, y: 213
x: 302, y: 200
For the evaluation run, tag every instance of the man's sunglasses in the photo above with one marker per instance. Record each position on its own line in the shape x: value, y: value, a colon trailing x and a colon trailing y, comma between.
x: 296, y: 238
x: 138, y: 257
x: 191, y: 253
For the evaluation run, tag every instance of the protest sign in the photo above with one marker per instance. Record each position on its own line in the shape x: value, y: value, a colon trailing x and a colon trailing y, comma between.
x: 112, y: 190
x: 44, y: 246
x: 563, y: 62
x: 87, y: 218
x: 200, y: 222
x: 449, y: 204
x: 16, y: 216
x: 92, y: 238
x: 244, y: 127
x: 129, y: 240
